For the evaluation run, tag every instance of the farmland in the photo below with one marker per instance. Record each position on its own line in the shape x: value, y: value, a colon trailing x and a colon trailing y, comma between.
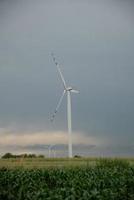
x: 46, y: 162
x: 53, y: 162
x: 105, y: 179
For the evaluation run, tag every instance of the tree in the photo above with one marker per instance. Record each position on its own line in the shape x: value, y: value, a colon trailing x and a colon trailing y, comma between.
x: 8, y: 155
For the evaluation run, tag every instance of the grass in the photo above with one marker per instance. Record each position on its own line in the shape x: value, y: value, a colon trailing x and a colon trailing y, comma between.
x: 54, y: 162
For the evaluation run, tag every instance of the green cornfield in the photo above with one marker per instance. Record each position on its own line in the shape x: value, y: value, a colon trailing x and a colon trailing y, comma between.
x: 107, y: 180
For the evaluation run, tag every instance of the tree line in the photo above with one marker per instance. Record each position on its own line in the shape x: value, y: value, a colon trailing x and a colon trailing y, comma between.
x: 9, y: 155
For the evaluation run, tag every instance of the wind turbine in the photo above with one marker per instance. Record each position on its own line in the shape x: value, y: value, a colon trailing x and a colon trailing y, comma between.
x: 68, y: 91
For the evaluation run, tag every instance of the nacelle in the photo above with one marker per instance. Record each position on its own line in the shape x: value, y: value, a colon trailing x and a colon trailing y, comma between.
x: 69, y: 88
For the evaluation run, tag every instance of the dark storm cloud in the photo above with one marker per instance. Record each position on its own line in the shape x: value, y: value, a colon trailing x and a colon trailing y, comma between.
x: 94, y: 42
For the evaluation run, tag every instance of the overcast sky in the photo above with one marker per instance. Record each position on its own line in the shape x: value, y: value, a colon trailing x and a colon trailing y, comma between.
x: 94, y: 43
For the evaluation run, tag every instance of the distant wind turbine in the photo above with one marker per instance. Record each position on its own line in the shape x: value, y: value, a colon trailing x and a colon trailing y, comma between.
x: 50, y: 147
x: 68, y: 91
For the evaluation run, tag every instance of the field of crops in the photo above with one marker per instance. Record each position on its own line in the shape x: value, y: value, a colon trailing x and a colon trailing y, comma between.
x: 47, y: 162
x: 107, y: 180
x: 30, y: 163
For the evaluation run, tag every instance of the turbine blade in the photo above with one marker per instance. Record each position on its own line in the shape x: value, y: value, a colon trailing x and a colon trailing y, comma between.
x: 75, y: 91
x: 58, y: 105
x: 59, y: 70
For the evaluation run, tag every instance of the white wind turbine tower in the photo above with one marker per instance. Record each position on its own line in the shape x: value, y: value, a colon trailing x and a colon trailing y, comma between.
x: 68, y: 91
